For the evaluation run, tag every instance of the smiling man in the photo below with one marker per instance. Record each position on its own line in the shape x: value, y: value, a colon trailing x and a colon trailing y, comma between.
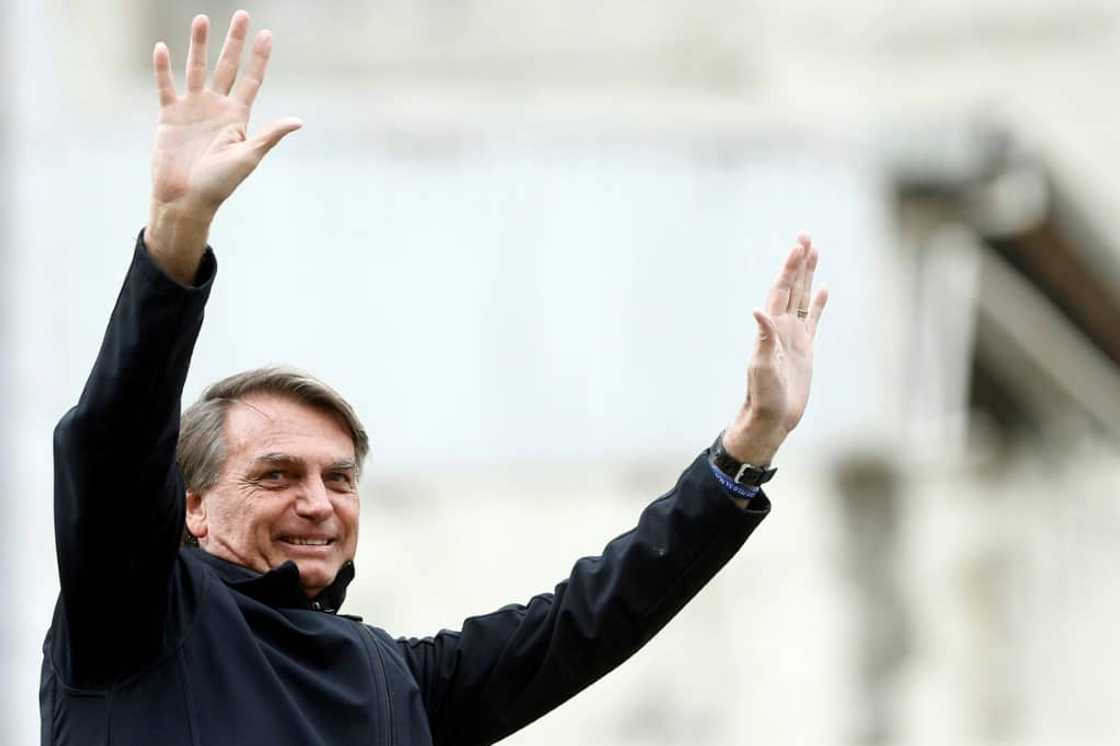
x: 271, y: 459
x: 203, y: 558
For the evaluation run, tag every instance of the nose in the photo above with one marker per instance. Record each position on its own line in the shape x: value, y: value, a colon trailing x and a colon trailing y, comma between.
x: 313, y: 502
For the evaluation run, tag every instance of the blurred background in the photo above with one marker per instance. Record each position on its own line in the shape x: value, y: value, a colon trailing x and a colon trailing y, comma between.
x: 524, y: 238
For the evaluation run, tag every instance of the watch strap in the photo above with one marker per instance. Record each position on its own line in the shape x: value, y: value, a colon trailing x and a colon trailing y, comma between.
x: 737, y: 471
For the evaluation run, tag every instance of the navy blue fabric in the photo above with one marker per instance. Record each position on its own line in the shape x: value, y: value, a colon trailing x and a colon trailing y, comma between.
x: 156, y: 644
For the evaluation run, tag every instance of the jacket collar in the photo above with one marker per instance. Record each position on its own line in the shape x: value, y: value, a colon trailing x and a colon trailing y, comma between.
x: 279, y: 587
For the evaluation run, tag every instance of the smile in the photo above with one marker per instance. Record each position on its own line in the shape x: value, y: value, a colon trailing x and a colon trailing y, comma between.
x: 300, y: 541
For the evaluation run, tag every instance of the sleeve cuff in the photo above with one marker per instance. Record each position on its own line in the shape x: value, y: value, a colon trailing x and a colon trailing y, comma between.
x: 759, y: 502
x: 207, y: 268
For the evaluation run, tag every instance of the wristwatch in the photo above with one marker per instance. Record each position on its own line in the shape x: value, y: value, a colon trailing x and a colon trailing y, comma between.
x: 737, y: 471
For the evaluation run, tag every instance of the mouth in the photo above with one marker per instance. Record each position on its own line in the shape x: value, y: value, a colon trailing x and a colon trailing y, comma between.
x: 306, y: 542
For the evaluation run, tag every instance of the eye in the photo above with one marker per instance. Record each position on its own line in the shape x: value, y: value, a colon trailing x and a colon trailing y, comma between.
x: 275, y: 475
x: 339, y: 477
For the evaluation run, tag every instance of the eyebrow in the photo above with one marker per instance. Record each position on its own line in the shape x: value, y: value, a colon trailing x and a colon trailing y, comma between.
x: 277, y: 457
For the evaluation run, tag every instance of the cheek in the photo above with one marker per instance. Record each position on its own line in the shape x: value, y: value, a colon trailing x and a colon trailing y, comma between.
x: 249, y: 516
x: 347, y: 512
x: 223, y: 513
x: 263, y: 514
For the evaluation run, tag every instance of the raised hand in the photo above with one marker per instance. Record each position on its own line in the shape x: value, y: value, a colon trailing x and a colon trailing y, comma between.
x: 202, y: 150
x: 781, y: 368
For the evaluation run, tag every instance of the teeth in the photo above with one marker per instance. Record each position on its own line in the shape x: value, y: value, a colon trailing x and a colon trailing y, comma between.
x: 308, y: 542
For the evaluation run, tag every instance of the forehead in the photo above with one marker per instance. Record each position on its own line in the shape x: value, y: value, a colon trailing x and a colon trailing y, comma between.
x: 261, y: 423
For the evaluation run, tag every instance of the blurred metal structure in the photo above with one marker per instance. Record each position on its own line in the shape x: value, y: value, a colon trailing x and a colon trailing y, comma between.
x: 1015, y: 367
x: 1043, y: 285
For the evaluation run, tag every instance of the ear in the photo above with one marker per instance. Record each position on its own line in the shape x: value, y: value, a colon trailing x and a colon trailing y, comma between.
x: 196, y: 515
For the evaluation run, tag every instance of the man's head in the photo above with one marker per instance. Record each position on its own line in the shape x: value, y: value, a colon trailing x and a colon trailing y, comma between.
x: 271, y: 460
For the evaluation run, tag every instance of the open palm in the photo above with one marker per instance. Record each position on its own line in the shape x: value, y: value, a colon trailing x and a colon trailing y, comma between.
x: 781, y: 371
x: 201, y: 150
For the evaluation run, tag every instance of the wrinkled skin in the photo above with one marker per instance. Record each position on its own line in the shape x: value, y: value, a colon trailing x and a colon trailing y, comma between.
x: 287, y: 491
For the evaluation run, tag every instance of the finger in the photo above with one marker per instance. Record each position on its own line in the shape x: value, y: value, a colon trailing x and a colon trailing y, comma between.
x: 267, y: 139
x: 250, y: 81
x: 817, y: 309
x: 226, y: 70
x: 196, y: 57
x: 799, y: 283
x: 777, y: 301
x: 807, y: 288
x: 767, y: 335
x: 165, y: 83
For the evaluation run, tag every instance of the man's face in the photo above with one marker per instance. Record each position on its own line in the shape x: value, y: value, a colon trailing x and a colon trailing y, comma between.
x: 288, y: 491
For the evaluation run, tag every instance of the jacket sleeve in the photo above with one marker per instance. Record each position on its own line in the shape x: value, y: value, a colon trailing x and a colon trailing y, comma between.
x: 118, y: 495
x: 506, y: 669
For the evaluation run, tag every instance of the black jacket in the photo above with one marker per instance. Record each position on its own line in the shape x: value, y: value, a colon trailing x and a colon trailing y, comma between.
x: 154, y: 644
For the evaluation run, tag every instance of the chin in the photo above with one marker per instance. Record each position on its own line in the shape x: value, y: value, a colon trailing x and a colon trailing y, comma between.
x: 317, y: 573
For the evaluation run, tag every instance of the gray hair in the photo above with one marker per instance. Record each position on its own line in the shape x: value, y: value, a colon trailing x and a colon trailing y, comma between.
x: 202, y: 447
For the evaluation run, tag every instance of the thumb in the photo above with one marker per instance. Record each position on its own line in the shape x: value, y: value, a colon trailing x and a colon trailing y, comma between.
x: 767, y: 333
x: 273, y: 133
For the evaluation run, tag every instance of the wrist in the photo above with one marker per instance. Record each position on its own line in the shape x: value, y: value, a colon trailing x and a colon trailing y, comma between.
x: 176, y: 239
x: 740, y: 479
x: 753, y: 440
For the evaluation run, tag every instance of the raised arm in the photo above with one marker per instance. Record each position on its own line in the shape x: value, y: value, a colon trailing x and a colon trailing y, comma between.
x: 118, y: 494
x: 505, y: 669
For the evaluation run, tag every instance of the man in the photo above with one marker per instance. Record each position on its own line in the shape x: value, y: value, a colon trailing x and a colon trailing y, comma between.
x: 238, y: 640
